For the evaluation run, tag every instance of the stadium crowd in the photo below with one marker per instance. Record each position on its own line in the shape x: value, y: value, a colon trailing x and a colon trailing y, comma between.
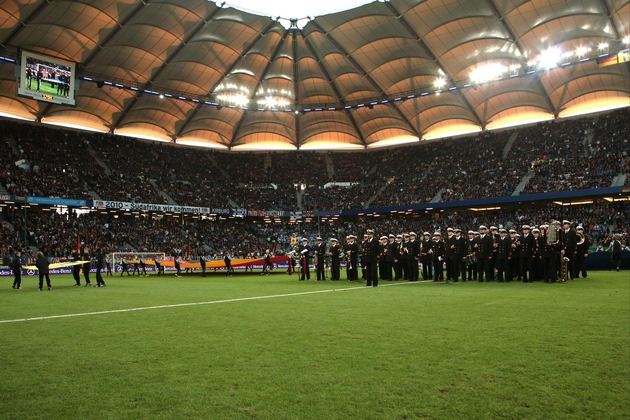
x: 569, y: 154
x: 59, y: 234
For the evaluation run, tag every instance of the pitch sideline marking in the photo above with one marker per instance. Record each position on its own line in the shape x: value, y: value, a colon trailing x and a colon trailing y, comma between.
x: 180, y: 305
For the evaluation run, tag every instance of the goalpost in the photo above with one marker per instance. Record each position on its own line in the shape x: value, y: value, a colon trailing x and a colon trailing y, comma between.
x: 117, y: 257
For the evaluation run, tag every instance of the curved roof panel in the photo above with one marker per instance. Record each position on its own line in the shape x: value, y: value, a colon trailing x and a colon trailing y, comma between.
x: 363, y: 77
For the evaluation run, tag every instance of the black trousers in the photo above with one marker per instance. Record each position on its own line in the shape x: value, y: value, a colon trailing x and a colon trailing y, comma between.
x: 438, y: 269
x: 580, y: 265
x: 99, y: 277
x: 41, y: 279
x: 305, y: 273
x: 413, y: 269
x: 526, y: 267
x: 334, y: 269
x: 320, y: 270
x: 17, y: 280
x: 385, y: 270
x: 550, y: 268
x: 427, y: 267
x: 371, y: 273
x: 483, y: 268
x: 86, y: 275
x: 503, y: 269
x: 77, y: 276
x: 397, y: 270
x: 405, y: 269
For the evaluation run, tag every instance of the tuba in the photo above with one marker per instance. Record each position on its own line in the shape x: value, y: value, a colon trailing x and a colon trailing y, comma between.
x: 580, y: 238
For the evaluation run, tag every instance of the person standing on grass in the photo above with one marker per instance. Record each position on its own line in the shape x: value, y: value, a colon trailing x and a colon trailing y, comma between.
x: 16, y: 265
x: 76, y: 270
x: 42, y: 266
x: 124, y: 267
x: 202, y: 262
x: 87, y: 266
x: 143, y: 267
x: 615, y: 247
x: 227, y: 259
x: 177, y: 266
x: 100, y: 262
x: 158, y: 266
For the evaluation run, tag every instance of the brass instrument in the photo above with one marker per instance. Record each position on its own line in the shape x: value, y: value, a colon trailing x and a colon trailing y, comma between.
x: 580, y: 238
x: 349, y: 260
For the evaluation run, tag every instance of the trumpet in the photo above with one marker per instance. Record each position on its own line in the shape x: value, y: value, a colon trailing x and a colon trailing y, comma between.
x: 349, y: 259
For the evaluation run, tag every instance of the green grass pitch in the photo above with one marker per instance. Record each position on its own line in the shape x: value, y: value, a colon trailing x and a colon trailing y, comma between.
x: 422, y: 350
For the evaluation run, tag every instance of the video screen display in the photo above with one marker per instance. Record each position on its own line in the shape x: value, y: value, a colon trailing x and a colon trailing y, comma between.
x: 46, y: 79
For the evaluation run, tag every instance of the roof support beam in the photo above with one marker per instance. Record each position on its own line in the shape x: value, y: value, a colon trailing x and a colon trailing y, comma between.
x: 39, y: 9
x: 113, y: 32
x: 433, y: 57
x: 229, y: 70
x: 608, y: 13
x: 519, y: 45
x: 168, y: 59
x: 335, y: 89
x: 365, y: 74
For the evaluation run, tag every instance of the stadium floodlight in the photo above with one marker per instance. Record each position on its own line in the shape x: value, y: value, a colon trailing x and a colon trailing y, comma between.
x: 626, y: 39
x: 582, y: 51
x: 486, y: 73
x: 439, y: 83
x: 603, y: 46
x: 549, y: 58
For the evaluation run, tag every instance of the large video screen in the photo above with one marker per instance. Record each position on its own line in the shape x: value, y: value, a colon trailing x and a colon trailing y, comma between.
x: 46, y: 79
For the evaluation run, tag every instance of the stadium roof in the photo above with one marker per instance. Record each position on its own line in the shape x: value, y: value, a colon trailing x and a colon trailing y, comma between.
x: 386, y: 72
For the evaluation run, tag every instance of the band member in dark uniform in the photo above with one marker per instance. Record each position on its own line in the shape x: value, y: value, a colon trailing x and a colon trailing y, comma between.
x: 397, y: 258
x: 570, y: 247
x: 362, y: 251
x: 537, y: 267
x: 42, y: 266
x: 87, y: 266
x: 414, y: 256
x: 515, y: 262
x: 335, y: 260
x: 483, y: 253
x: 304, y: 251
x: 549, y: 254
x: 449, y: 242
x: 392, y: 248
x: 494, y: 233
x: 471, y: 258
x: 404, y: 256
x: 460, y: 254
x: 100, y: 263
x: 383, y: 251
x: 527, y: 243
x: 202, y: 262
x: 438, y: 253
x: 351, y: 250
x: 108, y: 265
x: 319, y: 252
x: 16, y: 266
x: 76, y: 269
x: 426, y: 256
x: 370, y: 258
x: 503, y: 256
x: 582, y: 245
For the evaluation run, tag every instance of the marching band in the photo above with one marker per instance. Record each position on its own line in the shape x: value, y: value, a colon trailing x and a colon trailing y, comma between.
x: 553, y: 252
